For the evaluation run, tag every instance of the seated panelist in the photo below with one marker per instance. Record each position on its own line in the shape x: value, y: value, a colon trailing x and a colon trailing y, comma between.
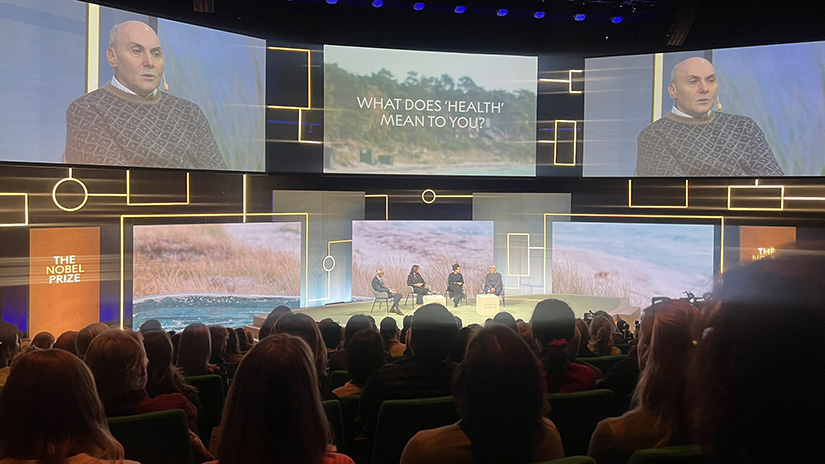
x: 455, y: 284
x: 492, y: 282
x: 415, y: 281
x: 378, y: 286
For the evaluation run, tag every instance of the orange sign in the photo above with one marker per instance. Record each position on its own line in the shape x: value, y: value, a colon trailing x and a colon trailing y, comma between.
x: 64, y: 279
x: 757, y: 242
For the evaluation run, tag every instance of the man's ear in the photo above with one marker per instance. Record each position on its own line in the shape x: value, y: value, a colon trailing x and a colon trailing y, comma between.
x: 671, y: 90
x: 111, y: 57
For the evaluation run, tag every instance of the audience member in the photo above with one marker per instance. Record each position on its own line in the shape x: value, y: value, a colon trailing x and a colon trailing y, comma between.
x: 53, y: 415
x: 273, y: 411
x: 9, y: 347
x: 601, y: 337
x: 616, y: 335
x: 364, y: 355
x: 553, y: 325
x: 584, y: 332
x: 500, y: 397
x: 460, y: 347
x: 233, y: 353
x: 661, y: 415
x: 194, y: 351
x: 506, y: 319
x: 245, y: 339
x: 756, y: 382
x: 427, y: 373
x: 43, y: 341
x: 67, y: 341
x: 390, y: 335
x: 332, y: 333
x: 305, y: 327
x: 150, y: 324
x: 219, y: 337
x: 87, y: 334
x: 356, y: 323
x: 162, y: 376
x: 405, y: 326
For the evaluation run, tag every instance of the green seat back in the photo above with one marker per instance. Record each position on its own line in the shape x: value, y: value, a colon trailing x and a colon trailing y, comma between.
x: 335, y: 416
x: 683, y: 454
x: 399, y: 420
x: 576, y: 416
x: 337, y: 379
x: 211, y: 395
x: 155, y: 437
x: 571, y: 460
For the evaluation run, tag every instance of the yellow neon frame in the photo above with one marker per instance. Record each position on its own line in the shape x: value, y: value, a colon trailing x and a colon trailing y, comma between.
x: 25, y: 209
x: 781, y: 197
x: 92, y: 47
x: 329, y: 279
x: 309, y: 82
x: 129, y: 201
x: 386, y: 202
x: 528, y: 254
x: 556, y: 139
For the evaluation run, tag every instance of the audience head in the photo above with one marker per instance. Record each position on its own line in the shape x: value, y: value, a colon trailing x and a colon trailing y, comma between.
x: 433, y: 333
x: 162, y: 375
x: 355, y: 324
x: 9, y: 343
x: 601, y: 335
x: 194, y: 349
x: 232, y: 345
x: 553, y: 325
x: 464, y: 336
x: 67, y: 341
x: 584, y: 335
x: 150, y: 324
x: 364, y: 355
x: 268, y: 325
x: 753, y: 395
x: 332, y: 332
x: 87, y: 334
x: 506, y: 319
x: 389, y: 330
x: 52, y: 411
x: 280, y: 311
x: 306, y: 328
x: 500, y: 396
x: 219, y: 336
x: 275, y: 393
x: 43, y: 340
x: 244, y: 339
x: 118, y: 361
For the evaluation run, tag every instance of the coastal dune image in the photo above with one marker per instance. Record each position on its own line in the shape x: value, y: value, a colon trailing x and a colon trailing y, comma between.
x: 214, y: 273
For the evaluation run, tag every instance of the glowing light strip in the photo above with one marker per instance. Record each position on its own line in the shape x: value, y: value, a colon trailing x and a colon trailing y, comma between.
x: 329, y: 277
x: 805, y: 198
x: 528, y: 254
x: 570, y: 81
x: 556, y: 138
x: 721, y: 220
x: 386, y: 204
x: 781, y: 197
x: 658, y: 77
x: 631, y: 205
x: 309, y: 80
x: 129, y: 201
x: 195, y: 215
x: 92, y: 47
x: 300, y: 125
x: 25, y: 209
x: 244, y: 197
x: 70, y: 179
x: 555, y: 81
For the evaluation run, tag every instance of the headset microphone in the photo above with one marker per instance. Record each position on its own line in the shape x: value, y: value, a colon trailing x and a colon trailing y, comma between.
x: 718, y: 104
x: 165, y: 85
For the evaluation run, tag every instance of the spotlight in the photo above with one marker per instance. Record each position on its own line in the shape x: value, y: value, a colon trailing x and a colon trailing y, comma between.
x: 579, y: 17
x: 616, y: 19
x: 332, y: 2
x: 377, y: 3
x: 460, y: 9
x: 538, y: 14
x: 418, y: 6
x: 502, y: 12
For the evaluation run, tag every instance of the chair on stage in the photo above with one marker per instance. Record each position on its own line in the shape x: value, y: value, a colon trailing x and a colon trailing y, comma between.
x: 381, y: 298
x: 410, y: 293
x: 500, y: 296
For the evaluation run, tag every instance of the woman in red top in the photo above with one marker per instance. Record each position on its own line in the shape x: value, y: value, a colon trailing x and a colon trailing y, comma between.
x: 553, y: 325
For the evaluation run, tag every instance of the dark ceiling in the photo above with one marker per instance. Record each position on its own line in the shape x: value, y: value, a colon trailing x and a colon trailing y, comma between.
x: 648, y: 25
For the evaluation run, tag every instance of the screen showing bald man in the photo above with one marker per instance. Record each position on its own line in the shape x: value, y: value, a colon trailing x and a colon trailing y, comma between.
x: 694, y: 140
x: 130, y: 121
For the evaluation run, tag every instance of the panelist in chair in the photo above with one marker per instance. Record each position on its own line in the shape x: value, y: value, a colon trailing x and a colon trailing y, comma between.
x: 130, y: 122
x: 492, y: 281
x: 378, y: 286
x: 417, y: 283
x: 455, y: 284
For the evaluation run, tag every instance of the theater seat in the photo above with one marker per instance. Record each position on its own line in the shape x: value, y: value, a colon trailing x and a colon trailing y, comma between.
x: 683, y: 454
x: 211, y: 396
x: 576, y: 416
x: 399, y: 420
x: 155, y: 437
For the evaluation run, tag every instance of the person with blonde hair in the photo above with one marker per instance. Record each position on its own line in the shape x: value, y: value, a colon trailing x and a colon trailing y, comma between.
x: 53, y: 415
x: 661, y: 415
x: 273, y: 412
x: 601, y: 337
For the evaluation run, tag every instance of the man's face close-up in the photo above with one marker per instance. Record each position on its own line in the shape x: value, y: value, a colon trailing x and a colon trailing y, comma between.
x: 137, y: 58
x: 695, y: 87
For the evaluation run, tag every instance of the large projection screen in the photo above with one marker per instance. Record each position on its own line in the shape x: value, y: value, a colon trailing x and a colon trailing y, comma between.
x: 429, y: 113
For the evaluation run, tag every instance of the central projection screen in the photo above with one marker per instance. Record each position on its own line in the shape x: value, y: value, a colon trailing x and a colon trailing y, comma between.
x: 428, y: 113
